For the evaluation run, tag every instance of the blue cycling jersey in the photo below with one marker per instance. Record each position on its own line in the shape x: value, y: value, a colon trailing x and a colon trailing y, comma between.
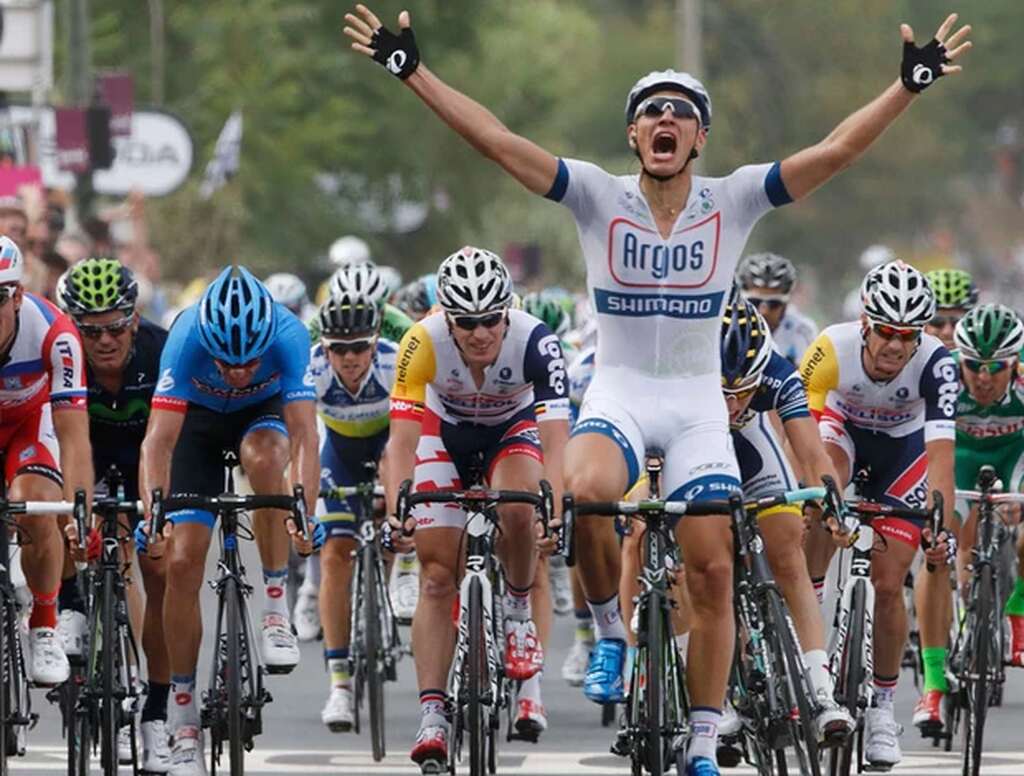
x: 781, y: 389
x: 188, y: 373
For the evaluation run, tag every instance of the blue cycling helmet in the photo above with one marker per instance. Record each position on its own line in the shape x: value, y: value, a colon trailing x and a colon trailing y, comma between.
x: 236, y: 317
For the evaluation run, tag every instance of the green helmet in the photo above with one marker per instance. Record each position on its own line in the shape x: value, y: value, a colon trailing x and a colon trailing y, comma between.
x: 97, y: 286
x: 548, y: 310
x: 953, y: 288
x: 989, y: 332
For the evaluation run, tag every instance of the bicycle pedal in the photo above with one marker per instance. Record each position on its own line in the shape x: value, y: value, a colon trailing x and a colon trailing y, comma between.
x: 279, y: 670
x: 340, y: 727
x: 728, y: 756
x: 877, y: 767
x: 432, y: 767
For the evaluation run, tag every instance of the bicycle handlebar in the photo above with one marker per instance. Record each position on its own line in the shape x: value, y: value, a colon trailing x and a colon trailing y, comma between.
x: 479, y: 498
x: 229, y: 502
x: 345, y: 491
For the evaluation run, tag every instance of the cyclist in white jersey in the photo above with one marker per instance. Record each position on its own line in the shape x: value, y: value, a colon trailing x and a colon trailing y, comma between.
x: 661, y: 248
x: 767, y: 281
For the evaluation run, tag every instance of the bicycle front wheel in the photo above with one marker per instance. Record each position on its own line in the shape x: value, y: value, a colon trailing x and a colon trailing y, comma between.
x: 978, y: 667
x: 851, y: 677
x: 373, y: 594
x: 654, y: 668
x: 233, y: 675
x: 477, y: 681
x: 110, y: 706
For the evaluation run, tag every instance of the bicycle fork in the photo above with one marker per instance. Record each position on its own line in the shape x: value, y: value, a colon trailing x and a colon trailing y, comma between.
x: 860, y: 575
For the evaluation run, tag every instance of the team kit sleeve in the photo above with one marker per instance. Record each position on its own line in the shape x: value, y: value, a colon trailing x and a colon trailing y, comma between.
x: 940, y: 389
x: 172, y: 385
x: 544, y: 366
x: 791, y: 396
x: 292, y: 351
x: 414, y: 370
x: 820, y: 373
x: 66, y: 365
x: 578, y: 186
x: 755, y: 189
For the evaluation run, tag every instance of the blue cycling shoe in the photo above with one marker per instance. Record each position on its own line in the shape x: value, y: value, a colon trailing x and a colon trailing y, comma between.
x: 702, y: 766
x: 603, y: 682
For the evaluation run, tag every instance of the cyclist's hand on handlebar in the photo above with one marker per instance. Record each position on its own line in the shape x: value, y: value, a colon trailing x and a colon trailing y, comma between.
x: 146, y: 544
x: 843, y: 536
x: 941, y: 552
x: 87, y: 553
x: 305, y: 546
x: 396, y: 536
x: 546, y: 545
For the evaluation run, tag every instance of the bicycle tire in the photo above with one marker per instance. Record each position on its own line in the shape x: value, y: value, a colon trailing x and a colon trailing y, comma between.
x: 977, y: 670
x: 851, y: 675
x: 233, y: 675
x: 476, y: 668
x: 653, y: 748
x: 7, y: 677
x: 110, y: 709
x: 805, y: 738
x: 373, y: 643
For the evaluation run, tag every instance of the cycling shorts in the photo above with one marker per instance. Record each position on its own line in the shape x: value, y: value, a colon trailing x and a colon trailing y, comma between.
x: 763, y: 466
x: 341, y: 465
x: 447, y: 454
x: 685, y: 418
x: 1008, y: 460
x: 30, y: 446
x: 197, y: 466
x: 898, y: 472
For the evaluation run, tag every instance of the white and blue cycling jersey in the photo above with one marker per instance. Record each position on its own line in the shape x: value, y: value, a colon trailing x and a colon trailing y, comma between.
x: 581, y: 372
x: 658, y: 304
x: 781, y: 389
x: 188, y: 374
x: 794, y: 335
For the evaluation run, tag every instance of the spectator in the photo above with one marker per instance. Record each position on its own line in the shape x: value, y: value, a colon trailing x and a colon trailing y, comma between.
x: 53, y: 265
x: 74, y: 246
x: 14, y: 220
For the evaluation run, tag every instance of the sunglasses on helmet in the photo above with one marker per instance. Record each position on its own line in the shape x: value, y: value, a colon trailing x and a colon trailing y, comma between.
x: 114, y: 329
x: 903, y: 334
x: 471, y: 322
x: 357, y: 346
x: 654, y: 106
x: 992, y: 366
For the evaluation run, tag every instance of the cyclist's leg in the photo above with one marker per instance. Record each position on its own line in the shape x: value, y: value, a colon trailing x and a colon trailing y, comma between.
x: 1014, y: 608
x: 818, y: 545
x: 154, y: 642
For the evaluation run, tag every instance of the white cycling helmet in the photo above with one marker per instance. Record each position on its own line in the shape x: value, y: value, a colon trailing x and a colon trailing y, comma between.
x: 287, y: 289
x: 391, y: 278
x: 473, y: 281
x: 359, y: 280
x: 874, y: 255
x: 898, y: 295
x: 349, y: 250
x: 664, y: 80
x: 12, y: 265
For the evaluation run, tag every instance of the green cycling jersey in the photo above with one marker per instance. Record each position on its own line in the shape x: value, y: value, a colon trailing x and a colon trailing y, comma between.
x: 393, y: 327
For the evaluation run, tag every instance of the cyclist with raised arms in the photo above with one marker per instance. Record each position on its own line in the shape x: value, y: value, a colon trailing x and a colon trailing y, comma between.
x: 122, y: 350
x: 353, y: 371
x: 44, y: 434
x: 955, y: 294
x: 884, y: 394
x: 767, y: 280
x: 661, y: 248
x: 990, y: 428
x: 477, y: 379
x: 234, y: 374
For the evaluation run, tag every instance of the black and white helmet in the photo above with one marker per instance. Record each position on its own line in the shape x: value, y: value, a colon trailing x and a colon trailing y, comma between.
x: 767, y: 270
x: 473, y: 281
x: 363, y: 280
x: 898, y: 295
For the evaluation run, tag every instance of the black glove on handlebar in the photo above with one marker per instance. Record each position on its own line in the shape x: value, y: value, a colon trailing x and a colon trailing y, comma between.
x: 922, y: 66
x: 398, y: 53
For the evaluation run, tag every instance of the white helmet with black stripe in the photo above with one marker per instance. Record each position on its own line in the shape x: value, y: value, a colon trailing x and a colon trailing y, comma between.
x: 362, y: 280
x: 898, y: 295
x: 472, y: 281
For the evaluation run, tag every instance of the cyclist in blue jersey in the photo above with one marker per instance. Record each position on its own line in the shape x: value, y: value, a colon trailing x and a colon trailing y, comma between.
x: 660, y: 248
x: 233, y: 374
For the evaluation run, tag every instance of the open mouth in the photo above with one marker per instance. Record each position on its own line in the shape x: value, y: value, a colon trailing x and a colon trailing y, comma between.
x: 664, y: 144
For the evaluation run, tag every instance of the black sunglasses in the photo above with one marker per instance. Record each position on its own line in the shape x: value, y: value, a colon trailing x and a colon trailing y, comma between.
x: 115, y: 329
x: 470, y: 322
x: 771, y: 304
x: 341, y: 347
x: 6, y: 294
x: 655, y: 106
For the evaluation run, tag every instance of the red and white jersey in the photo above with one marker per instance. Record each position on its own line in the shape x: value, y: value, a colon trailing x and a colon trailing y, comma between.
x: 46, y: 363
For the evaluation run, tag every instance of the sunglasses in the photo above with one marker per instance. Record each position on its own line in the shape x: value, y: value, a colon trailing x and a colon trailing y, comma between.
x: 6, y: 294
x: 887, y: 332
x: 770, y: 302
x: 341, y: 347
x: 741, y: 394
x: 655, y: 106
x: 226, y: 367
x: 993, y: 367
x: 115, y: 329
x: 471, y: 322
x: 942, y: 321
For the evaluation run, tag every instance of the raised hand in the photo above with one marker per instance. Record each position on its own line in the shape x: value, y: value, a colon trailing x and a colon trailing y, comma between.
x: 922, y: 66
x: 397, y: 53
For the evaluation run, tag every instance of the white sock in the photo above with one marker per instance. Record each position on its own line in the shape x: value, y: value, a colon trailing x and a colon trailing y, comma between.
x: 517, y: 604
x: 275, y: 592
x: 181, y: 707
x: 607, y: 619
x: 817, y: 667
x: 311, y: 585
x: 703, y: 733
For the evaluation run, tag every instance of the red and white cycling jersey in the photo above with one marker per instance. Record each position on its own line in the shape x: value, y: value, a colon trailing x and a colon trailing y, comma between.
x: 46, y: 363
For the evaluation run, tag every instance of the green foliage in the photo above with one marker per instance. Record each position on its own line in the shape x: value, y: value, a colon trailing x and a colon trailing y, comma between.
x: 782, y: 74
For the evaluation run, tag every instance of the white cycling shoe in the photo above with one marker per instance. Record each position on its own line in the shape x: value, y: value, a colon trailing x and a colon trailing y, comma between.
x: 280, y: 647
x: 561, y: 586
x: 124, y: 745
x: 338, y: 713
x: 187, y: 753
x: 405, y: 594
x: 574, y: 667
x: 306, y: 617
x: 71, y: 627
x: 833, y: 722
x: 49, y: 663
x: 882, y: 739
x: 156, y: 750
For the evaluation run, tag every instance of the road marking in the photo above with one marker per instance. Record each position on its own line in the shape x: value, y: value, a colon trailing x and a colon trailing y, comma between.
x: 47, y: 760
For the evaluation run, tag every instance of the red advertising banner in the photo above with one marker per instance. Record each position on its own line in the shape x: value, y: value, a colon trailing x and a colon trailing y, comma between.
x: 13, y: 177
x: 117, y: 91
x: 72, y: 140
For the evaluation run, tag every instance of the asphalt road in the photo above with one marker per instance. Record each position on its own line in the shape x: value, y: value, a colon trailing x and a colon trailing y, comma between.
x: 295, y: 742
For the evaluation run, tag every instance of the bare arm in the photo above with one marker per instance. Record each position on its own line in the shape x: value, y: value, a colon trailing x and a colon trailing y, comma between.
x: 525, y: 161
x: 300, y: 419
x: 940, y: 477
x: 554, y: 435
x: 72, y: 427
x: 162, y: 434
x: 808, y: 169
x: 813, y: 462
x: 401, y: 456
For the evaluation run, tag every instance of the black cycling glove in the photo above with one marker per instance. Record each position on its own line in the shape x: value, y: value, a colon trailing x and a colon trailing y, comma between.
x: 398, y: 53
x: 922, y: 66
